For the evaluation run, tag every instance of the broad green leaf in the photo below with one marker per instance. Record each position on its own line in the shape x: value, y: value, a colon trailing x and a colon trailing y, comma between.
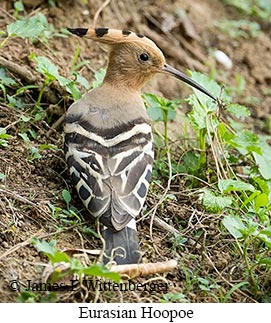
x: 246, y: 142
x: 44, y: 246
x: 238, y: 110
x: 215, y: 204
x: 234, y: 225
x: 232, y: 185
x: 46, y: 67
x: 32, y: 27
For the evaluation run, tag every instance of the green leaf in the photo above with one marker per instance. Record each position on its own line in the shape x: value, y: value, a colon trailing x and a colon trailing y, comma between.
x: 100, y: 271
x: 73, y: 90
x: 171, y: 297
x: 82, y: 80
x: 32, y: 27
x: 232, y: 185
x: 58, y: 257
x: 25, y: 137
x: 246, y: 142
x: 18, y: 6
x: 50, y: 250
x: 99, y: 77
x: 66, y: 196
x: 238, y: 110
x: 25, y: 118
x: 4, y: 79
x: 160, y: 109
x: 263, y: 158
x: 46, y: 67
x: 44, y: 246
x: 17, y: 103
x: 50, y: 70
x: 265, y: 261
x: 261, y: 200
x: 213, y: 203
x: 234, y: 225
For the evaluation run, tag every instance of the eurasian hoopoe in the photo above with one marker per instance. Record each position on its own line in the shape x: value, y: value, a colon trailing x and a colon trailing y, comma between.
x: 108, y: 138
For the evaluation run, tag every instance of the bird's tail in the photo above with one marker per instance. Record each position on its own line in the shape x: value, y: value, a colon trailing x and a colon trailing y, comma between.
x: 122, y: 246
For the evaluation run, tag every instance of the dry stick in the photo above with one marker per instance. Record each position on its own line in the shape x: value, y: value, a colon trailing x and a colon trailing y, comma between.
x: 226, y: 281
x: 18, y: 69
x: 96, y: 16
x: 139, y: 270
x: 7, y: 14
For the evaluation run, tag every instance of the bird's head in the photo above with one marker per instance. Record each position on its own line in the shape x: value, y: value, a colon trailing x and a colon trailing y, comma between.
x: 133, y: 59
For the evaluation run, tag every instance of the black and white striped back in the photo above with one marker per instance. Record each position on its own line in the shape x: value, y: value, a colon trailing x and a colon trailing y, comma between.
x: 110, y: 167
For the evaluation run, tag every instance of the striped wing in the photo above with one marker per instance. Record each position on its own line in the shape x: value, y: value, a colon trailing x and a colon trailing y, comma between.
x: 111, y: 168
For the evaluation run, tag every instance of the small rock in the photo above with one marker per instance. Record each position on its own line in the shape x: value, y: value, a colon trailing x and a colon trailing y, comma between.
x: 223, y: 59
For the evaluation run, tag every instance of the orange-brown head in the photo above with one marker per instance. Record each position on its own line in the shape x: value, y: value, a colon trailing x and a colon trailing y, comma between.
x: 133, y: 59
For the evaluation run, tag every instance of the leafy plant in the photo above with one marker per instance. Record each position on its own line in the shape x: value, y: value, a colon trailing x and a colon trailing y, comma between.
x: 239, y: 28
x: 35, y: 28
x: 161, y: 109
x: 4, y: 137
x: 50, y: 71
x: 55, y: 256
x: 257, y: 8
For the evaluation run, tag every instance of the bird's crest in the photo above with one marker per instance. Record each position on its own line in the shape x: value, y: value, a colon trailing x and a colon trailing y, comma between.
x: 112, y: 36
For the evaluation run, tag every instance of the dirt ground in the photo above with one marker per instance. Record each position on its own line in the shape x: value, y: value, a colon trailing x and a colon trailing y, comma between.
x: 29, y: 187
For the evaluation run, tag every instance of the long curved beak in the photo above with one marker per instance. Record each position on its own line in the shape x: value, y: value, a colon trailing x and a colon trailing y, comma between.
x: 183, y: 77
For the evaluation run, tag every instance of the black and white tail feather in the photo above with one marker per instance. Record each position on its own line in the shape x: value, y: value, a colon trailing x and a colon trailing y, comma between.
x: 111, y: 170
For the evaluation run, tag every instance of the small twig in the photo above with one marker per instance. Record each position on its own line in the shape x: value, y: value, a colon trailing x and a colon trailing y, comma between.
x: 101, y: 8
x: 164, y: 226
x: 7, y: 14
x: 56, y: 124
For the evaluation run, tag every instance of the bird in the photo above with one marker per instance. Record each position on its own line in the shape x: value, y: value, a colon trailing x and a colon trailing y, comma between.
x: 108, y: 141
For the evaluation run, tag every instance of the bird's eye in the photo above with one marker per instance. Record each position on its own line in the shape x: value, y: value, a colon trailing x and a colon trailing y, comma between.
x: 144, y: 57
